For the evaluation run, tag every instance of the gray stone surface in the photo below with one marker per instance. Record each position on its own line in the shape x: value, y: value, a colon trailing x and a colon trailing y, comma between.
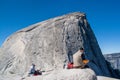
x: 105, y: 78
x: 47, y: 44
x: 71, y: 74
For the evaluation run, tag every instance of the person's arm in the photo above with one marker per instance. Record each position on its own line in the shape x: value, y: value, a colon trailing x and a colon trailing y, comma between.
x: 83, y: 56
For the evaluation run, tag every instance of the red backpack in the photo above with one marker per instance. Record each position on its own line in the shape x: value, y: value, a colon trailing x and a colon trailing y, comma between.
x: 69, y: 65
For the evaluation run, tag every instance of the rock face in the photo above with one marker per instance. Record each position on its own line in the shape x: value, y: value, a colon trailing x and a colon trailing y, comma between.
x: 47, y: 44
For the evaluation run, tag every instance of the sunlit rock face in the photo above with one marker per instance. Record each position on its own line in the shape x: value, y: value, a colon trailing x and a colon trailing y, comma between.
x: 47, y: 44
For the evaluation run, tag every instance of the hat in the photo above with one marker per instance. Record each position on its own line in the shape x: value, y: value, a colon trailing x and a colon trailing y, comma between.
x: 81, y: 48
x: 33, y: 64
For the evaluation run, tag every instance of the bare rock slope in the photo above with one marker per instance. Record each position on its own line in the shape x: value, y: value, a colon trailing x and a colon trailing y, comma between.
x: 47, y: 44
x: 72, y: 74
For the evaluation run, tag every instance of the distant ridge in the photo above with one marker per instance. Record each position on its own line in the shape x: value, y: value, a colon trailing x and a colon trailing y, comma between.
x: 114, y: 59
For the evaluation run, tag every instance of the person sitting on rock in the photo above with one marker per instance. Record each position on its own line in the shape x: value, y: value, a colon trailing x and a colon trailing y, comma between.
x: 32, y: 69
x: 78, y: 58
x: 70, y: 57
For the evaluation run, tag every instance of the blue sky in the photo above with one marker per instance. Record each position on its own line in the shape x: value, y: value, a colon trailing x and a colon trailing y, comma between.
x: 103, y: 16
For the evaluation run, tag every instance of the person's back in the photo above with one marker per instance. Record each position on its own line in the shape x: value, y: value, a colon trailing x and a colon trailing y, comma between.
x: 77, y: 59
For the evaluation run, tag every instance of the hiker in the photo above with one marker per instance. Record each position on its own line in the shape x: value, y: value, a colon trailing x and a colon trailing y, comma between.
x: 32, y: 69
x: 70, y: 57
x: 78, y: 58
x: 69, y: 63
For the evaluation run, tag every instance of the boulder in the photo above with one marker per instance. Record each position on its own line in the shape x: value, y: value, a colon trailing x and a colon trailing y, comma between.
x: 47, y: 44
x: 72, y: 74
x: 65, y: 74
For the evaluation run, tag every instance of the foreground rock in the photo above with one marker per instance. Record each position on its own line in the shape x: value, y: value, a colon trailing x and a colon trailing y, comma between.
x: 10, y: 77
x: 72, y: 74
x: 47, y: 44
x: 105, y: 78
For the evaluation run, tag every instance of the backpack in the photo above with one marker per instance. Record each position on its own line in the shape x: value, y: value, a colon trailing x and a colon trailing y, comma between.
x: 69, y: 65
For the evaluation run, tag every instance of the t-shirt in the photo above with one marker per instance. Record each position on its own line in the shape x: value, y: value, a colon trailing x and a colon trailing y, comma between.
x: 77, y: 59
